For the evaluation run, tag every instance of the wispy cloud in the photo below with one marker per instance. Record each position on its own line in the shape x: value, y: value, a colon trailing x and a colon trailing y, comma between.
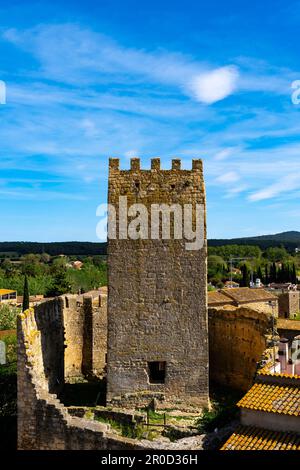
x: 84, y: 57
x: 87, y: 96
x: 288, y: 183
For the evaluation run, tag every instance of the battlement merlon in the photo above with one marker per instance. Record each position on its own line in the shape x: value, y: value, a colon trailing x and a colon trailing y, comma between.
x: 135, y: 165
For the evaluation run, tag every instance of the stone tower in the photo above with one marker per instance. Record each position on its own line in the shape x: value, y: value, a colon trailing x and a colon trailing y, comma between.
x: 157, y: 298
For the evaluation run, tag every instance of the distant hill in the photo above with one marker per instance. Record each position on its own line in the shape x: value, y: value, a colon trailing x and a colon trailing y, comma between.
x: 290, y: 240
x: 53, y: 249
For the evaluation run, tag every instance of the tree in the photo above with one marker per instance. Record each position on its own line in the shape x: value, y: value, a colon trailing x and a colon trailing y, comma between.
x: 245, y: 276
x: 273, y: 273
x: 294, y: 275
x: 25, y: 295
x: 60, y: 283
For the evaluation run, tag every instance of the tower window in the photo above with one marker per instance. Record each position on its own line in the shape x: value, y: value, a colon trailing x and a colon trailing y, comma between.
x: 157, y: 372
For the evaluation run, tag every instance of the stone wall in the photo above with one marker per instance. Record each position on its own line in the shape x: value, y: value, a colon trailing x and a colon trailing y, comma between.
x: 238, y: 338
x: 85, y: 335
x: 157, y: 302
x: 289, y: 304
x: 44, y: 423
x: 263, y: 307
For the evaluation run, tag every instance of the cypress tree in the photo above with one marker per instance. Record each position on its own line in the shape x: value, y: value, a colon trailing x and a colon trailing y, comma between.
x: 246, y: 276
x: 25, y: 295
x: 267, y: 279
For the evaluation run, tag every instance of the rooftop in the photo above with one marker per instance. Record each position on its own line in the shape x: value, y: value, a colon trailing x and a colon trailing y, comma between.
x: 217, y: 298
x: 245, y: 294
x: 251, y: 438
x: 272, y: 398
x: 6, y: 291
x: 235, y: 296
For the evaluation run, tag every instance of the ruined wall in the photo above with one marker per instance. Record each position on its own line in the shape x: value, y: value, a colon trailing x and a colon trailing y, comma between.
x: 157, y: 302
x: 50, y: 325
x: 43, y: 422
x: 238, y: 338
x: 263, y: 307
x: 85, y: 335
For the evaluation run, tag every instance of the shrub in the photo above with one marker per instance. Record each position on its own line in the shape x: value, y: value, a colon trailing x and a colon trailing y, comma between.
x: 8, y: 317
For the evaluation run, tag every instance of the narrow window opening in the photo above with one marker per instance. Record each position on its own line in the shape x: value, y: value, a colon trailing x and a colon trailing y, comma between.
x: 157, y: 372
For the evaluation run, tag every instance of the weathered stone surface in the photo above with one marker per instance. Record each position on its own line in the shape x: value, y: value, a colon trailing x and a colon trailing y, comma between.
x: 238, y: 338
x: 157, y: 302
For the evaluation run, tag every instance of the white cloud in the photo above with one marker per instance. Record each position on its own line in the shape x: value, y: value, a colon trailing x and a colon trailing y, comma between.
x: 83, y: 57
x: 229, y: 177
x: 215, y: 85
x: 287, y: 183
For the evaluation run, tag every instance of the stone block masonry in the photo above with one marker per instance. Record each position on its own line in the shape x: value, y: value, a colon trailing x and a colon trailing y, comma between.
x: 157, y: 297
x: 238, y: 338
x: 85, y: 336
x: 44, y: 423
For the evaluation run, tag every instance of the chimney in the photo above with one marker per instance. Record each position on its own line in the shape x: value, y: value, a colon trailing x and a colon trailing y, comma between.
x: 283, y: 353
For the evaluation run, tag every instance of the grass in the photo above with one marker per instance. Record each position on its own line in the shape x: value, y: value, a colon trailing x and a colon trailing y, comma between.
x: 126, y: 430
x: 224, y: 409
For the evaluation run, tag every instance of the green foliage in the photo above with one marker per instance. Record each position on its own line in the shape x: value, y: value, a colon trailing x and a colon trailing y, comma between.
x: 8, y: 317
x: 126, y: 430
x: 60, y: 284
x: 8, y: 395
x: 88, y: 278
x: 276, y: 254
x: 218, y: 417
x: 54, y: 248
x: 235, y: 251
x: 11, y: 353
x: 54, y: 276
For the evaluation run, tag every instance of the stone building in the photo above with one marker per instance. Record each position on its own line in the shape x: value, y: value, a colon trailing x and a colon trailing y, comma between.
x: 157, y: 296
x: 289, y: 304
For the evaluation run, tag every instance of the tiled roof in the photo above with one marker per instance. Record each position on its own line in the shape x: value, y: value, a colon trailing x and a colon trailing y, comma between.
x: 267, y: 371
x: 251, y: 438
x: 245, y: 294
x: 217, y: 298
x: 272, y: 398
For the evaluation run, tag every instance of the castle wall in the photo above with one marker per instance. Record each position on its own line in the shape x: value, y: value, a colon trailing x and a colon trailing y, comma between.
x: 237, y: 340
x: 43, y: 421
x: 157, y: 294
x: 263, y: 307
x: 85, y: 336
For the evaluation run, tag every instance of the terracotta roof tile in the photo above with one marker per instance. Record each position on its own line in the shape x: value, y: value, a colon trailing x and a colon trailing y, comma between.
x: 252, y: 438
x: 272, y: 398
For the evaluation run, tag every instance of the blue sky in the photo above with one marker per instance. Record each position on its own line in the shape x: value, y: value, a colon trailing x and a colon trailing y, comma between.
x: 193, y: 79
